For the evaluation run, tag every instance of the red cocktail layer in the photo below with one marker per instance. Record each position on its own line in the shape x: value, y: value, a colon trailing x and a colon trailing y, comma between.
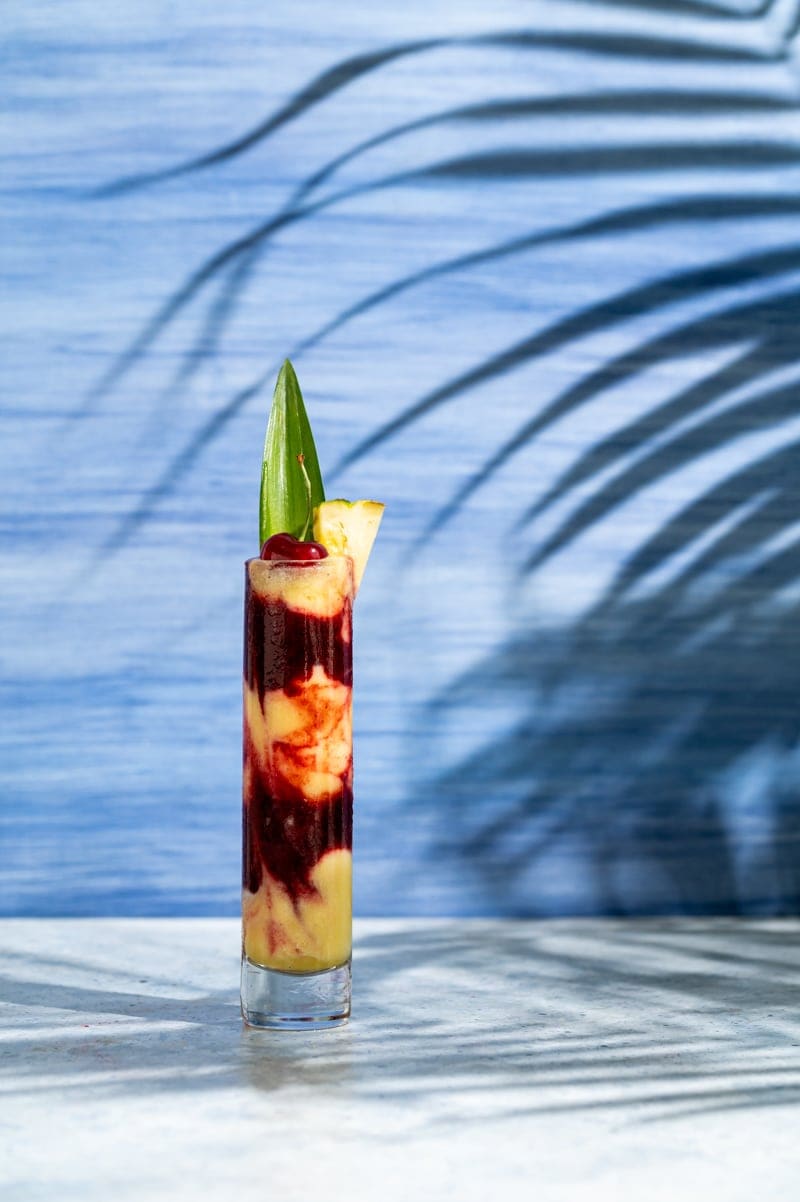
x: 298, y: 766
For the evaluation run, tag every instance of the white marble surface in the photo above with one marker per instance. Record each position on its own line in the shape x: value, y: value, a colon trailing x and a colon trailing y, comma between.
x: 561, y: 1060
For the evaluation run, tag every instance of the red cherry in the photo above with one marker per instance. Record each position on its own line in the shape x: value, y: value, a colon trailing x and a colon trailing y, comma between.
x: 286, y: 546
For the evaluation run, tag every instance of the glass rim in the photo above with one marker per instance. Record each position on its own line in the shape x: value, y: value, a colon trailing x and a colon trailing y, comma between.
x: 299, y: 563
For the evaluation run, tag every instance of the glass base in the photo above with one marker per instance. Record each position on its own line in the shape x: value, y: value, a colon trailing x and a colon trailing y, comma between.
x: 293, y: 1000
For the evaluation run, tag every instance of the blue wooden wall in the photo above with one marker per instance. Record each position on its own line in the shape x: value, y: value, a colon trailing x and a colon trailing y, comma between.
x: 538, y: 267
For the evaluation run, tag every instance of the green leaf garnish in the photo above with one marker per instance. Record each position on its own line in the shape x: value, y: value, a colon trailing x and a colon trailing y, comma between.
x: 291, y: 482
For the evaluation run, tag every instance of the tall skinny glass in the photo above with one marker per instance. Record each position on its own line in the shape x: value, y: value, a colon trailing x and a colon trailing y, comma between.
x: 297, y: 792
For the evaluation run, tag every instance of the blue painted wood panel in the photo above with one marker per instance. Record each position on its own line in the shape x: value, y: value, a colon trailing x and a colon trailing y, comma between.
x: 539, y: 271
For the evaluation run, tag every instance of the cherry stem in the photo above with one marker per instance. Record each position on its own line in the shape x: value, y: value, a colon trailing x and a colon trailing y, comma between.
x: 301, y: 460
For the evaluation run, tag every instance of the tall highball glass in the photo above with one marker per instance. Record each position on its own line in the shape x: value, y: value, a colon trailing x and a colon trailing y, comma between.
x: 297, y: 792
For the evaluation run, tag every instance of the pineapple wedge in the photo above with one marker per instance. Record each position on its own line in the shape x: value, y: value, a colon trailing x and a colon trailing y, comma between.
x: 348, y: 528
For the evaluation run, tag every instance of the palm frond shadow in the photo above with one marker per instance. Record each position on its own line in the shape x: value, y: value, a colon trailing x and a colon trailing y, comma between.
x: 236, y: 261
x: 346, y: 72
x: 637, y: 718
x: 171, y: 478
x: 243, y: 253
x: 628, y: 102
x: 793, y: 27
x: 756, y: 503
x: 772, y: 408
x: 538, y: 1035
x: 245, y: 249
x: 671, y: 692
x: 754, y: 362
x: 641, y: 721
x: 502, y: 164
x: 699, y: 8
x: 709, y: 8
x: 241, y: 265
x: 324, y: 85
x: 729, y: 273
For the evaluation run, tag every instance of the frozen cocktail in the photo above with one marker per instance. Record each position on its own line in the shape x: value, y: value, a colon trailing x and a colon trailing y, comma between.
x: 298, y: 764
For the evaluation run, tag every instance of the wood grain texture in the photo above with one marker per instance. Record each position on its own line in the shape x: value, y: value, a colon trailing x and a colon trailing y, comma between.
x: 539, y: 272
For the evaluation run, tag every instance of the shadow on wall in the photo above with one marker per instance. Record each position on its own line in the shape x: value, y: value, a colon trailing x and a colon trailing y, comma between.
x: 657, y: 770
x: 655, y: 763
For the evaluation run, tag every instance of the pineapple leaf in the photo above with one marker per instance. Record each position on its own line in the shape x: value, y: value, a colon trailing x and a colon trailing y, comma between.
x: 290, y: 465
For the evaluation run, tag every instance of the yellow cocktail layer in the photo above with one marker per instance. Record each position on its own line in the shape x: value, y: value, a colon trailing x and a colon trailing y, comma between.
x: 304, y: 740
x: 309, y: 933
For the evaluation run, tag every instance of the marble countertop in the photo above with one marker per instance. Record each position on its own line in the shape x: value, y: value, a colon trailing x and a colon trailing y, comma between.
x: 648, y: 1060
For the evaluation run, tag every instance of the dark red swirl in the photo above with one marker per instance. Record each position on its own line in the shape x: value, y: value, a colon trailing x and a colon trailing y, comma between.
x: 284, y: 833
